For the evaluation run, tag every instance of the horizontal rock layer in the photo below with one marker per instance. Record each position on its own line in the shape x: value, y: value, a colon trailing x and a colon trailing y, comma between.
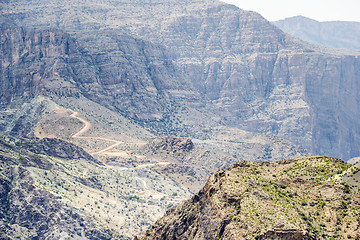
x: 242, y: 67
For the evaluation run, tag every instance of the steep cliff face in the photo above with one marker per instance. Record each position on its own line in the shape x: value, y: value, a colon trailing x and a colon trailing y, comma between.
x: 332, y: 96
x: 257, y: 78
x: 307, y: 198
x: 31, y: 60
x: 249, y: 72
x: 126, y: 74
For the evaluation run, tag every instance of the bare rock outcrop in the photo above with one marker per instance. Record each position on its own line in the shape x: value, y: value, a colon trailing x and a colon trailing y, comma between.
x: 171, y: 144
x: 293, y: 199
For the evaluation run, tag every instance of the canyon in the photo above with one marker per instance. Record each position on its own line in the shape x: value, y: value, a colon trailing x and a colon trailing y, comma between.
x: 134, y: 104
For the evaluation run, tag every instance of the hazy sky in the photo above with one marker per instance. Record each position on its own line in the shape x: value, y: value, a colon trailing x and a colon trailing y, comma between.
x: 321, y: 10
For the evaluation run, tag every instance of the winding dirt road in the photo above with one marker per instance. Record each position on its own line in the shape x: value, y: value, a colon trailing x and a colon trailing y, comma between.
x: 87, y: 126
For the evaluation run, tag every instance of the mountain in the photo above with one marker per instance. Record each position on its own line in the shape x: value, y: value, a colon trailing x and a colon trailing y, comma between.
x: 304, y: 198
x: 161, y: 94
x: 52, y: 189
x: 335, y: 34
x: 145, y: 59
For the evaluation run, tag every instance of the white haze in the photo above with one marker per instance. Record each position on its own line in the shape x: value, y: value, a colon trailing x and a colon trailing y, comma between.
x: 321, y: 10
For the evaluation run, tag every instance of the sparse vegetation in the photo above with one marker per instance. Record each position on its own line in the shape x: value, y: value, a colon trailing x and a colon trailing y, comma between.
x: 289, y: 191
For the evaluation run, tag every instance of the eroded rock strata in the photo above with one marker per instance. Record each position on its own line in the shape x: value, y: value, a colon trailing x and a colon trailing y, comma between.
x: 144, y: 58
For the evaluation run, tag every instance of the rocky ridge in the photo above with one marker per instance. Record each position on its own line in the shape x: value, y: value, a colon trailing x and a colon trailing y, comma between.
x: 57, y: 148
x: 28, y: 211
x: 304, y: 198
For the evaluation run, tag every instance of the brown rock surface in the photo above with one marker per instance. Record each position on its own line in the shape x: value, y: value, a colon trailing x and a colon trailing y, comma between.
x: 305, y: 198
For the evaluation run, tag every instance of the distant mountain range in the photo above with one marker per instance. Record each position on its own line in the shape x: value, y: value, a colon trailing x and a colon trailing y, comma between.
x: 337, y: 34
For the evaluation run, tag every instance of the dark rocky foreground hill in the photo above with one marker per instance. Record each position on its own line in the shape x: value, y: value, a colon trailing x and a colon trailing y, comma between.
x: 336, y: 34
x: 147, y: 59
x: 304, y: 198
x: 29, y: 211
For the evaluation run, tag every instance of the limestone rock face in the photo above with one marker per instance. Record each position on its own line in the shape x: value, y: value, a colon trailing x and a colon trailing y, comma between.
x: 257, y: 78
x: 31, y: 61
x: 143, y: 57
x: 127, y: 74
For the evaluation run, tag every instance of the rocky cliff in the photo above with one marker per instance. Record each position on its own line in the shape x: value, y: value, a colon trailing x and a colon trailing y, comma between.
x: 112, y: 75
x: 242, y: 68
x: 306, y: 198
x: 126, y: 74
x: 257, y: 78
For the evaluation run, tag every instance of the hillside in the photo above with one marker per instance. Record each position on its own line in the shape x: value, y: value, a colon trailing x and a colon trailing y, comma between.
x: 132, y: 105
x: 304, y: 198
x: 51, y: 189
x: 128, y: 183
x: 28, y: 209
x: 336, y: 34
